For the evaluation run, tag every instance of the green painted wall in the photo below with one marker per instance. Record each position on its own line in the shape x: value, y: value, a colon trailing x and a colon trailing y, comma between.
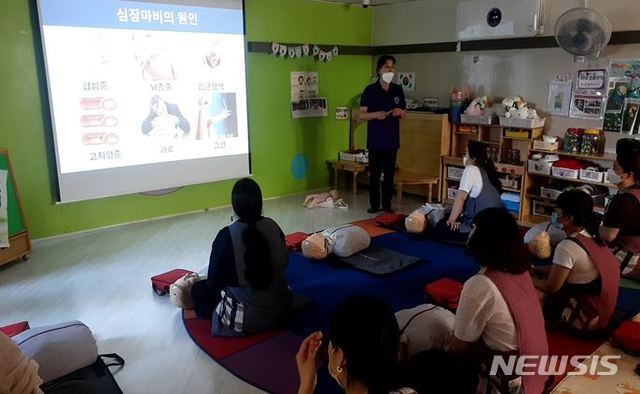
x: 275, y: 137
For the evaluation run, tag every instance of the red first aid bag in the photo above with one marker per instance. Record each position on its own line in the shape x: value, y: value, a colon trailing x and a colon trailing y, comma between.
x: 444, y: 292
x: 390, y: 220
x: 627, y: 337
x: 160, y: 283
x: 294, y: 241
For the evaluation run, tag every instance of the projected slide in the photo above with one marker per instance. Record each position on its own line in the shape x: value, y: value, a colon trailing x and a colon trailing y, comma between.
x: 141, y: 83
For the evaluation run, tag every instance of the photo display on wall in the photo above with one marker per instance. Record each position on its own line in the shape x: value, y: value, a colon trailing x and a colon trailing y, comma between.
x: 305, y: 102
x: 623, y: 97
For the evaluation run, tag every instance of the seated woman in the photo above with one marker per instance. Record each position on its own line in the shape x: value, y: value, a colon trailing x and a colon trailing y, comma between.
x: 246, y: 281
x: 363, y: 349
x: 479, y: 189
x: 499, y: 312
x: 582, y: 283
x: 18, y: 374
x: 621, y: 224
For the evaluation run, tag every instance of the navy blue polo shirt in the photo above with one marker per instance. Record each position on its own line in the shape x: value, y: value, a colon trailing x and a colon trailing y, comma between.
x: 383, y: 134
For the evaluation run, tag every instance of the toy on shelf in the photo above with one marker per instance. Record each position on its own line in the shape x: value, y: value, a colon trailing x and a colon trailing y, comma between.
x: 477, y: 106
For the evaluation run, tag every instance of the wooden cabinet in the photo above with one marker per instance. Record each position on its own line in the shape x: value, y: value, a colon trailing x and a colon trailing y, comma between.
x: 502, y: 143
x: 424, y: 139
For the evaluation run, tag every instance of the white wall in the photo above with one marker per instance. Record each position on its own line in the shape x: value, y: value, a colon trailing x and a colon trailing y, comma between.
x: 435, y: 20
x: 499, y: 73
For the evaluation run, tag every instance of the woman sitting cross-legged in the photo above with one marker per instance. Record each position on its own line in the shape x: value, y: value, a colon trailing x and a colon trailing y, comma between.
x: 479, y: 189
x: 363, y: 344
x: 581, y: 287
x: 246, y: 282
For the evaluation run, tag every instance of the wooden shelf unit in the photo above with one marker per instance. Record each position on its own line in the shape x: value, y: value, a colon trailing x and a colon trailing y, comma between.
x: 491, y: 135
x: 536, y: 181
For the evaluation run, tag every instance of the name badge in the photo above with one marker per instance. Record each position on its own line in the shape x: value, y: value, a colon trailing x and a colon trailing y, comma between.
x: 396, y: 100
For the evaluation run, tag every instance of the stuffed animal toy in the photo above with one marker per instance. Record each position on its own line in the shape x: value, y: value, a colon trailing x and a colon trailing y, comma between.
x: 332, y: 198
x: 540, y: 245
x: 477, y: 106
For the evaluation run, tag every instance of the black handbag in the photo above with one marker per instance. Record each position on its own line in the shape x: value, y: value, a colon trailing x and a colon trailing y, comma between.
x: 94, y: 379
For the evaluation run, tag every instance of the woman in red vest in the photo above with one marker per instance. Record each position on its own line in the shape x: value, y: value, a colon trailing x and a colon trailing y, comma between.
x: 499, y: 313
x: 621, y: 225
x: 581, y: 289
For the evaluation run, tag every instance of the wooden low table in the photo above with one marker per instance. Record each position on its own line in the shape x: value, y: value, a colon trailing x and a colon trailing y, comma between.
x: 406, y: 178
x: 353, y: 167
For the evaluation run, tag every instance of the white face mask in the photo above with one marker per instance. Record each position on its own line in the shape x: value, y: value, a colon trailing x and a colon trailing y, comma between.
x: 466, y: 161
x: 613, y: 177
x: 388, y: 77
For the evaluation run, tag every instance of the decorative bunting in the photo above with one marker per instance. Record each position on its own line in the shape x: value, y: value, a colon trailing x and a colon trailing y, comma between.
x: 283, y: 51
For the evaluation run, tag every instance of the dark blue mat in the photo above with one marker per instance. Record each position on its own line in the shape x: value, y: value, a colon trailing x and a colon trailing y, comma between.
x: 327, y: 284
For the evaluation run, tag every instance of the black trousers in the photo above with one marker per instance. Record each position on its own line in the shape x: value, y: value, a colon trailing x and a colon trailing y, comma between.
x: 381, y: 161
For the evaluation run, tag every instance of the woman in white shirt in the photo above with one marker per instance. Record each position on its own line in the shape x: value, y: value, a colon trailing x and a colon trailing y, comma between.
x: 499, y: 313
x: 479, y: 189
x: 581, y: 286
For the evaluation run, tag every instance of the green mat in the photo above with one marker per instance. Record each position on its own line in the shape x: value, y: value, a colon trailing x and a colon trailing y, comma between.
x: 629, y: 284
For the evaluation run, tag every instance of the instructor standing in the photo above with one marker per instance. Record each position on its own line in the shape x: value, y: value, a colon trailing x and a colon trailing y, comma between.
x: 382, y: 105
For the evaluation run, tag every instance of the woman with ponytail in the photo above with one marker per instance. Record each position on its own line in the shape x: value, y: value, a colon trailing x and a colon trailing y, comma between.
x: 479, y: 189
x: 582, y: 283
x: 246, y: 290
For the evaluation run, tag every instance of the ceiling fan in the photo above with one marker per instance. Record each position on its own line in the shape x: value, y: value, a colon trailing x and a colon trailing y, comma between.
x: 367, y: 3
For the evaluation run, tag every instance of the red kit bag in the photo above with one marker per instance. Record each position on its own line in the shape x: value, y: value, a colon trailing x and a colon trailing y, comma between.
x: 160, y: 283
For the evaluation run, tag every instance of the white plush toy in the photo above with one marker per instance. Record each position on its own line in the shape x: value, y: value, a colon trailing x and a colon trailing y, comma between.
x: 477, y: 106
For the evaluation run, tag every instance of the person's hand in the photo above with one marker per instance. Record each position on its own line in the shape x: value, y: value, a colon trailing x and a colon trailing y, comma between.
x: 453, y: 224
x: 397, y: 112
x: 381, y: 115
x: 306, y: 362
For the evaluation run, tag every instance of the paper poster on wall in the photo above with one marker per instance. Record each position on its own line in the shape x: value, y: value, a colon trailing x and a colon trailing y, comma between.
x: 408, y: 81
x: 592, y: 79
x: 305, y: 102
x: 310, y: 108
x: 559, y: 97
x: 304, y: 85
x: 4, y: 218
x: 587, y: 106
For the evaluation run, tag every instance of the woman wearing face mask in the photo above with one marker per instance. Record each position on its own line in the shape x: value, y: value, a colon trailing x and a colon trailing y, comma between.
x: 621, y: 224
x: 382, y: 106
x: 363, y: 344
x: 479, y: 189
x: 499, y: 312
x: 582, y: 285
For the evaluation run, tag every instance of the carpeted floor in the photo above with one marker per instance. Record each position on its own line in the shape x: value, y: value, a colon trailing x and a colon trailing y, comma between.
x: 268, y: 361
